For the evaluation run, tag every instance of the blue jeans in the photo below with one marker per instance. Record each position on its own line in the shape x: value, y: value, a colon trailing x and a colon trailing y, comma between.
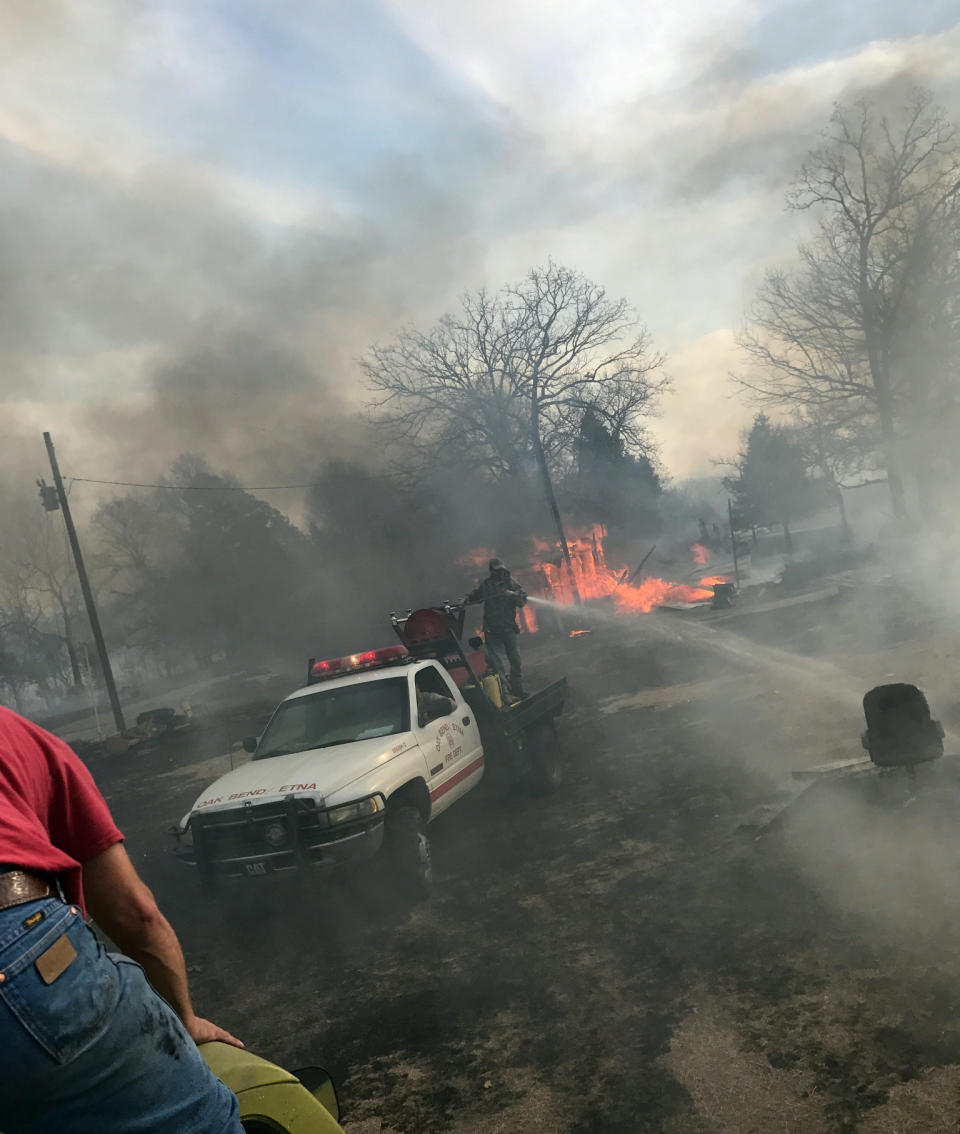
x: 502, y: 652
x: 96, y: 1050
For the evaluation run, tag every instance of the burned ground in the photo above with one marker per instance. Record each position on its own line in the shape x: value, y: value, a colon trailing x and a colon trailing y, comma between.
x: 625, y: 955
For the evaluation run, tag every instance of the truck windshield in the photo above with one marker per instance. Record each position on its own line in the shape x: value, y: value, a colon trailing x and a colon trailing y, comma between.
x: 337, y: 716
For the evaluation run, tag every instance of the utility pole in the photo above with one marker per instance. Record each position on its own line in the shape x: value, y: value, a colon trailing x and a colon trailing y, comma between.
x: 733, y: 544
x: 84, y: 586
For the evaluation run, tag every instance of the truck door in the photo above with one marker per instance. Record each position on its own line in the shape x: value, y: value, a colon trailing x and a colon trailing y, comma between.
x: 450, y: 743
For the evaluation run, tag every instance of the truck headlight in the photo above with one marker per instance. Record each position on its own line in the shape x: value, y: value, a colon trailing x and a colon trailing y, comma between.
x: 351, y: 812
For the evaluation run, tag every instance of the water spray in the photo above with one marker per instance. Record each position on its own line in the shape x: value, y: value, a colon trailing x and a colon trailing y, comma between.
x: 551, y: 603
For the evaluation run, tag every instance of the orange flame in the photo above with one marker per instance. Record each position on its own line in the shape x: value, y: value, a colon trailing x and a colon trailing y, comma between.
x: 700, y: 554
x: 651, y: 593
x: 551, y: 577
x: 594, y: 579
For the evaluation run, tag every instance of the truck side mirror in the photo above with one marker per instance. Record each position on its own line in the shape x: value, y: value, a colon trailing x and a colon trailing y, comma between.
x: 321, y: 1086
x: 250, y: 743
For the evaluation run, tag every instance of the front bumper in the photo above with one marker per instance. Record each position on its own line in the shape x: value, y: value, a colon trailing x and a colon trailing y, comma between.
x: 280, y: 837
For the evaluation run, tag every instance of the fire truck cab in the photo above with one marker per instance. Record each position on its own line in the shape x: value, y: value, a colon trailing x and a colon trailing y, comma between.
x: 375, y: 747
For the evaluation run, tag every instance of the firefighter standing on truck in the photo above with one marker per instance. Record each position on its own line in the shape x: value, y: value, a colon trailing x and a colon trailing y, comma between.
x: 501, y: 598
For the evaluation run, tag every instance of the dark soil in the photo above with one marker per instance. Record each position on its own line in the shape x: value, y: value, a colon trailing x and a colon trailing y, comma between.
x: 585, y: 953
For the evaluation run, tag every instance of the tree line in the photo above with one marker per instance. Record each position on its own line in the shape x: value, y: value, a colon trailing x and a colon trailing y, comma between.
x: 518, y: 405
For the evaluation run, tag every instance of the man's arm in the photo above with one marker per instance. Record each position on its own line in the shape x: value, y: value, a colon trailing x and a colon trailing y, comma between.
x: 123, y: 906
x: 518, y: 593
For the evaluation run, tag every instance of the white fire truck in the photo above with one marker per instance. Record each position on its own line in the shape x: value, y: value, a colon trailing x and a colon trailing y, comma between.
x: 371, y: 750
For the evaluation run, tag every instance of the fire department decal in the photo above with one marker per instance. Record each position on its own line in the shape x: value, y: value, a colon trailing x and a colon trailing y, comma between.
x: 446, y: 730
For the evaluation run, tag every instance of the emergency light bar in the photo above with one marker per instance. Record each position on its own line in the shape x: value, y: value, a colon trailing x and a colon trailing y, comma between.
x: 354, y: 663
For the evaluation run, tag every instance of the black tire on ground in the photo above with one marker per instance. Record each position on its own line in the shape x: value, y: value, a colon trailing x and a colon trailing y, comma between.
x: 546, y: 764
x: 407, y: 848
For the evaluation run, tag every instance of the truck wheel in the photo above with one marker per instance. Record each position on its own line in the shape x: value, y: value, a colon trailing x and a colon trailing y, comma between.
x: 408, y: 850
x: 546, y: 767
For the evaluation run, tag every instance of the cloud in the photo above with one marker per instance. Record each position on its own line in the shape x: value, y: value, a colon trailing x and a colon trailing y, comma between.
x: 703, y: 412
x: 558, y: 64
x: 211, y: 210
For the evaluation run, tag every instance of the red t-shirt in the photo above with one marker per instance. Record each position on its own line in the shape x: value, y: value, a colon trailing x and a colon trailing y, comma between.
x: 52, y: 816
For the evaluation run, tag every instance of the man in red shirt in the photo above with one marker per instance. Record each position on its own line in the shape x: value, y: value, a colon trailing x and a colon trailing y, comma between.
x: 86, y: 1045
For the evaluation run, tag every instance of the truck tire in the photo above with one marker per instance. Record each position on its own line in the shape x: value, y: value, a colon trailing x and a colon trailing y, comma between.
x: 408, y: 851
x: 546, y: 764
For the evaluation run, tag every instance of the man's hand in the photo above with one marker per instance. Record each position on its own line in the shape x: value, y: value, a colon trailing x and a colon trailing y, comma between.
x: 203, y: 1031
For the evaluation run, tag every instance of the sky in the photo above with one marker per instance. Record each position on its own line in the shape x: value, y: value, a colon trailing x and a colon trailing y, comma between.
x: 209, y: 209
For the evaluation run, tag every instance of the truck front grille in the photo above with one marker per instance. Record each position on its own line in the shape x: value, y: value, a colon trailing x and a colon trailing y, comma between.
x: 256, y: 828
x: 281, y: 832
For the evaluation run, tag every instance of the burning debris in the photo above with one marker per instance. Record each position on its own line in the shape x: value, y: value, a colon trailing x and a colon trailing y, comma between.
x: 579, y: 633
x: 589, y: 574
x: 553, y: 582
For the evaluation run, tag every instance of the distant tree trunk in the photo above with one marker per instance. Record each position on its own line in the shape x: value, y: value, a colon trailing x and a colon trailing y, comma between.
x: 928, y: 486
x: 548, y: 489
x: 888, y: 443
x: 842, y: 509
x: 787, y: 537
x: 894, y: 476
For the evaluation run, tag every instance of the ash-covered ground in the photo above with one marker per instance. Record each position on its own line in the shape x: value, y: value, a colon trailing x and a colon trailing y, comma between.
x: 627, y: 955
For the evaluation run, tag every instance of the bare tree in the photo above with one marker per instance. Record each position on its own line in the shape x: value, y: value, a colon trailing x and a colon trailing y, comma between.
x: 36, y: 562
x: 29, y: 654
x: 829, y: 330
x: 504, y: 382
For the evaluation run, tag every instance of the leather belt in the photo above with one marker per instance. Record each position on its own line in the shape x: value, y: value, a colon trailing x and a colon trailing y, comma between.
x: 19, y: 886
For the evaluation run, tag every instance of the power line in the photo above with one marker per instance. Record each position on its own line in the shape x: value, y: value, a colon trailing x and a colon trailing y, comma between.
x: 229, y: 487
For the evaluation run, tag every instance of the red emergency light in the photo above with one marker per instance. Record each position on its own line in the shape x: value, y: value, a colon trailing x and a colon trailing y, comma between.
x: 353, y: 663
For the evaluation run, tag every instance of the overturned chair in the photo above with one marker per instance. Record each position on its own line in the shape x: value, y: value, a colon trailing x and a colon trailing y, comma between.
x: 900, y: 732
